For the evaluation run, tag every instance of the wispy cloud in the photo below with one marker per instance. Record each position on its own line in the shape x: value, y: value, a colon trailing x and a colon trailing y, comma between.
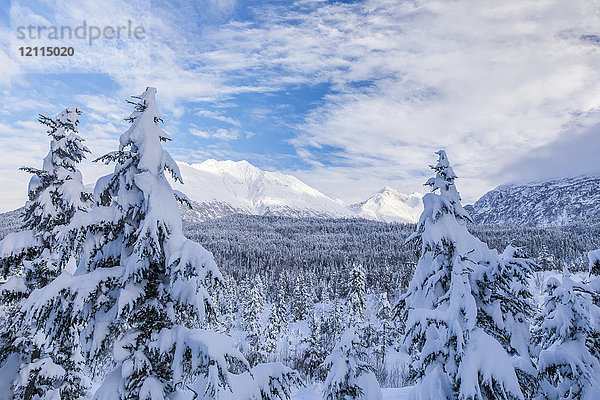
x: 220, y: 133
x: 219, y: 117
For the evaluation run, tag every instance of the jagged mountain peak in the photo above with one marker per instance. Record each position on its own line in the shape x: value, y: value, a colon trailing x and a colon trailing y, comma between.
x: 390, y: 205
x: 553, y: 202
x: 248, y: 173
x: 387, y: 190
x: 224, y: 187
x: 220, y: 188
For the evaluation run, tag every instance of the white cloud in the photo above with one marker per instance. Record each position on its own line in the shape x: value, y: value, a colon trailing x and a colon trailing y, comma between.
x: 574, y: 153
x: 221, y: 134
x: 100, y: 108
x: 161, y: 60
x: 219, y: 117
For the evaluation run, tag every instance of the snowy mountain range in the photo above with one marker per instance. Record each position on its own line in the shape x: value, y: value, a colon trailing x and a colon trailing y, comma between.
x: 220, y: 188
x: 547, y: 203
x: 391, y: 206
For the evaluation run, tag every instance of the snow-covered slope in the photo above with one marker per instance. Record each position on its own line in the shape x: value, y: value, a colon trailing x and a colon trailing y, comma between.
x: 548, y: 203
x: 391, y: 206
x: 220, y: 188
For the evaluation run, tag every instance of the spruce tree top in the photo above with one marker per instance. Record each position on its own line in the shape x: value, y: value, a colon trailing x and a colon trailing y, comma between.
x: 146, y: 209
x: 139, y: 183
x: 56, y: 191
x: 145, y: 136
x: 444, y: 182
x: 66, y: 148
x: 567, y: 314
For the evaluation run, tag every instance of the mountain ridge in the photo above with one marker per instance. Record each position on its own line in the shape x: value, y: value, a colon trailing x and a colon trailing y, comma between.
x: 220, y: 188
x: 553, y: 202
x: 240, y: 186
x: 390, y: 205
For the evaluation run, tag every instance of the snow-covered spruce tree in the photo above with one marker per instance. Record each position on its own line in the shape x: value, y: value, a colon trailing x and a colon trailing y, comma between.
x: 546, y: 260
x: 253, y: 325
x: 325, y: 299
x: 368, y: 333
x: 221, y: 298
x: 594, y: 275
x: 280, y: 312
x: 336, y: 322
x: 357, y: 302
x: 594, y: 263
x: 568, y: 361
x: 302, y: 304
x: 271, y: 337
x: 594, y: 288
x: 314, y: 355
x: 327, y: 324
x: 245, y: 298
x: 505, y: 309
x: 56, y: 192
x: 278, y: 323
x: 229, y: 303
x: 142, y: 291
x: 452, y: 357
x: 386, y: 333
x: 349, y: 377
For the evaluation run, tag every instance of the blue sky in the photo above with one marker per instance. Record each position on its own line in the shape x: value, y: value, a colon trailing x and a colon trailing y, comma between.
x: 349, y: 96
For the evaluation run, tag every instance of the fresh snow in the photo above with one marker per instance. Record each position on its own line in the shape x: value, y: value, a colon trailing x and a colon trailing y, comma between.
x: 543, y: 203
x: 250, y: 190
x: 476, y: 365
x: 220, y: 188
x: 315, y: 392
x: 390, y: 205
x: 14, y: 284
x: 8, y: 370
x: 16, y: 242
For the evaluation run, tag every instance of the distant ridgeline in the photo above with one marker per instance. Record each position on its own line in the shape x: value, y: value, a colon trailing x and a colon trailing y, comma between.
x: 323, y: 250
x: 566, y: 201
x: 10, y: 222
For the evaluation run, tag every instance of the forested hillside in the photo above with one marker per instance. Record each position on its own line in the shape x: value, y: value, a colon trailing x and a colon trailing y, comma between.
x: 280, y: 248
